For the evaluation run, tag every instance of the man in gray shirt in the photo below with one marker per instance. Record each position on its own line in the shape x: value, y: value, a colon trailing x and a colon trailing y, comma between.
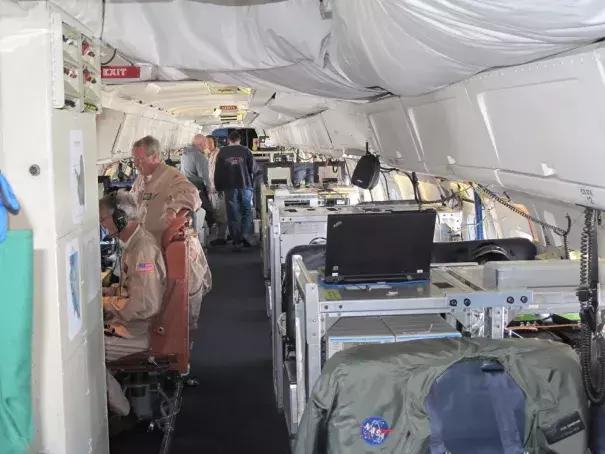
x: 194, y: 163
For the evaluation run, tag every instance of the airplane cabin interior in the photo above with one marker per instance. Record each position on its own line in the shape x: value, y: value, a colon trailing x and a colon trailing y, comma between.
x: 411, y: 262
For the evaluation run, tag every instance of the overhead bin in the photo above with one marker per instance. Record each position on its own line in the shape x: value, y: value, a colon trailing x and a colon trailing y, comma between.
x: 452, y: 137
x: 547, y: 122
x: 394, y: 135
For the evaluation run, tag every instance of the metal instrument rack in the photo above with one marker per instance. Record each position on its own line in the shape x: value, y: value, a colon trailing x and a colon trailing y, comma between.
x: 455, y: 289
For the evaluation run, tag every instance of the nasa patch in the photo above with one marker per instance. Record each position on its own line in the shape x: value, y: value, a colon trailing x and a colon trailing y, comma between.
x: 374, y: 430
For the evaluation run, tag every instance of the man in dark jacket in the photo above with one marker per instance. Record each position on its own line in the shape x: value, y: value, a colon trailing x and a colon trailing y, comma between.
x: 234, y: 175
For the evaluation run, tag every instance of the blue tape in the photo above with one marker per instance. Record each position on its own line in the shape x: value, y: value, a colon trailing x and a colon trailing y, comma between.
x: 8, y: 204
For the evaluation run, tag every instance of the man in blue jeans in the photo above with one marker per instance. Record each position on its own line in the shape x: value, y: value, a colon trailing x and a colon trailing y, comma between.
x: 234, y: 175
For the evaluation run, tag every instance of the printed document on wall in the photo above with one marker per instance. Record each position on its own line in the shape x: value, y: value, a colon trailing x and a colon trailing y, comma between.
x: 76, y: 171
x: 73, y: 288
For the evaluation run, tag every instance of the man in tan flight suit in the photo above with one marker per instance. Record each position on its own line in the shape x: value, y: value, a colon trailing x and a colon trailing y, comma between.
x: 161, y: 192
x: 130, y: 307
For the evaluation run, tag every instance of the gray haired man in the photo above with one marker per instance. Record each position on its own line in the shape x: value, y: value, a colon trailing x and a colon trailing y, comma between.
x: 130, y: 307
x: 161, y: 192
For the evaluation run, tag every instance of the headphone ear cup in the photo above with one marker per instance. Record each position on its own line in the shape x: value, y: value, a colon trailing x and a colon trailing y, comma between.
x: 119, y: 219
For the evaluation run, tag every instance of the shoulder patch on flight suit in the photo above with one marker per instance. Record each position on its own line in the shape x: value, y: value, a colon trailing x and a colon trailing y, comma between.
x: 145, y: 267
x: 147, y: 196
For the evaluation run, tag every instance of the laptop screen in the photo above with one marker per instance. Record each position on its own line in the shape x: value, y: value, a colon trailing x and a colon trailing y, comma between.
x: 371, y: 247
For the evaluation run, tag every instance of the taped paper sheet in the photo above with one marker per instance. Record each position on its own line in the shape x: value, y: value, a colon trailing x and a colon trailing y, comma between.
x: 73, y: 289
x: 92, y: 263
x: 76, y: 172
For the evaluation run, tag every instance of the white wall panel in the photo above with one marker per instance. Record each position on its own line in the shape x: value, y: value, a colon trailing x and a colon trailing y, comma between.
x: 346, y: 131
x: 319, y: 135
x: 108, y: 128
x: 452, y: 136
x: 127, y: 136
x: 394, y: 135
x: 547, y: 122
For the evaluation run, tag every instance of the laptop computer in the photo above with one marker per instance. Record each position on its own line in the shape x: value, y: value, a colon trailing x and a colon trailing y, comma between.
x: 370, y: 248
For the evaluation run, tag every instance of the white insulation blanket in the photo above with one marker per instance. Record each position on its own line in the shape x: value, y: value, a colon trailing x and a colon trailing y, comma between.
x: 407, y: 47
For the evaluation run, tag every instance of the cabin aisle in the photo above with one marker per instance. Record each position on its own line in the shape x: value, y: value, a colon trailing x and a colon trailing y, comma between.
x: 233, y: 410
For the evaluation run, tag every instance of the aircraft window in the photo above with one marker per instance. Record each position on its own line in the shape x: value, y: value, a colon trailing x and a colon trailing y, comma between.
x: 508, y: 223
x: 406, y: 190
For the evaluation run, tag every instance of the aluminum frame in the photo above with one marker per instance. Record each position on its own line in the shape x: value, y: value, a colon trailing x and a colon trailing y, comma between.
x: 315, y: 314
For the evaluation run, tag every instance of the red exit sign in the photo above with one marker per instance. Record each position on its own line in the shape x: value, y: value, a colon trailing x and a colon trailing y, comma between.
x: 228, y: 107
x: 120, y: 72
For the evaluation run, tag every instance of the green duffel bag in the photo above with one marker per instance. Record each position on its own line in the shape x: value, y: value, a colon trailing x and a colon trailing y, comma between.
x: 448, y: 396
x: 16, y: 308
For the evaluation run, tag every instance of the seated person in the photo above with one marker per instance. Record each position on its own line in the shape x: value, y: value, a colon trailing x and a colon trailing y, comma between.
x: 130, y: 306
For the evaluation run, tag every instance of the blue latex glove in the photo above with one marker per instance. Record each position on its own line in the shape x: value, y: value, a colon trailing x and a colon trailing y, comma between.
x: 8, y: 204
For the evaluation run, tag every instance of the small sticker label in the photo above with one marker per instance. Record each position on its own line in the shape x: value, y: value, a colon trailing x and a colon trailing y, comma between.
x: 332, y: 295
x: 564, y: 428
x: 145, y: 267
x: 374, y: 430
x: 147, y: 196
x: 588, y: 195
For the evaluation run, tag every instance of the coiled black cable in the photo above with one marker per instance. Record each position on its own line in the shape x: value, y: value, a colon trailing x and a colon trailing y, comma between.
x: 592, y: 361
x: 556, y: 230
x: 585, y: 246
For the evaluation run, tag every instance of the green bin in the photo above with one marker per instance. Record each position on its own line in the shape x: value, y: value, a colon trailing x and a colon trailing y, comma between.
x: 16, y: 313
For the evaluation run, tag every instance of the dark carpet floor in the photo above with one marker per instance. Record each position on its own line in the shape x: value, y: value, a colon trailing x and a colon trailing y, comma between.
x: 233, y: 411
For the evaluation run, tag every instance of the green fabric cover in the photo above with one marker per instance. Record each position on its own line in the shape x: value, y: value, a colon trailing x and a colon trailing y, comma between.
x: 392, y: 381
x: 16, y: 307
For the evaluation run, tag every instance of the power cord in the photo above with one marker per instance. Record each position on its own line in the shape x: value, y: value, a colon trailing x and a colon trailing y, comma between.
x: 556, y: 230
x: 386, y: 185
x: 415, y: 185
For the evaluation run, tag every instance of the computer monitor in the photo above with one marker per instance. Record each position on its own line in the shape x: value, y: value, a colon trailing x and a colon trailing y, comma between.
x: 379, y: 247
x: 329, y: 173
x: 278, y: 173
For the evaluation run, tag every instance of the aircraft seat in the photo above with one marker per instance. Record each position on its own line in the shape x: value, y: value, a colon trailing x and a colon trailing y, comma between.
x: 168, y: 355
x: 314, y: 257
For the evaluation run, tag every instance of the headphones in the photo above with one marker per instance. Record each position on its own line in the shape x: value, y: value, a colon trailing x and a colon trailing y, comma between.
x: 118, y: 216
x: 493, y: 249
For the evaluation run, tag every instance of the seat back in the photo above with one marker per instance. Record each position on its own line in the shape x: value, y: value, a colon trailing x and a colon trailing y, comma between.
x: 314, y: 257
x: 170, y: 329
x: 476, y: 407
